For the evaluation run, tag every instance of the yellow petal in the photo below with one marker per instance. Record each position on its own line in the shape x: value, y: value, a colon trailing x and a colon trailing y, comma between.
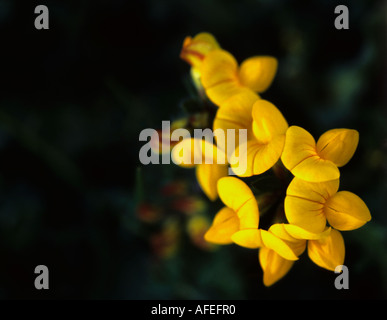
x: 223, y: 91
x: 236, y: 195
x: 315, y: 169
x: 299, y: 145
x: 297, y: 245
x: 248, y: 238
x: 271, y: 241
x: 192, y: 151
x: 329, y: 251
x: 218, y: 66
x: 219, y: 75
x: 183, y: 153
x: 300, y: 233
x: 312, y: 191
x: 258, y: 72
x: 235, y: 112
x: 208, y: 176
x: 273, y: 265
x: 211, y: 154
x: 268, y: 121
x: 346, y: 211
x: 225, y: 224
x: 306, y: 214
x: 300, y: 157
x: 243, y: 157
x: 338, y: 145
x: 279, y: 230
x: 305, y: 201
x: 208, y: 38
x: 257, y: 157
x: 195, y: 49
x: 261, y: 153
x: 255, y: 238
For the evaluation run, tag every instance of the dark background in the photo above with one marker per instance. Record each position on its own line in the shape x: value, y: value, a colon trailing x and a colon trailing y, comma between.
x: 74, y: 98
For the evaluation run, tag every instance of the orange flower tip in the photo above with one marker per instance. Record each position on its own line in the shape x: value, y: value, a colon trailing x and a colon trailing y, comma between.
x: 195, y: 49
x: 187, y: 41
x: 187, y: 54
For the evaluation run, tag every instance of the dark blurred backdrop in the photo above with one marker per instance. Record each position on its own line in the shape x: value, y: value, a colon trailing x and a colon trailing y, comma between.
x: 74, y: 98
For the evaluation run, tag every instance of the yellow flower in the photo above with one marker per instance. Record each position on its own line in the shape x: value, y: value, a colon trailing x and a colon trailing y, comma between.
x: 318, y: 162
x: 273, y: 265
x: 191, y: 152
x: 241, y: 211
x: 266, y: 128
x: 259, y: 238
x: 238, y: 221
x: 194, y: 50
x: 320, y: 250
x: 222, y: 77
x: 218, y: 72
x: 310, y: 205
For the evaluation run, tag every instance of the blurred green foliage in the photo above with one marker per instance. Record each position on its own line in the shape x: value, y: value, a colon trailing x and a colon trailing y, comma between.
x: 74, y: 98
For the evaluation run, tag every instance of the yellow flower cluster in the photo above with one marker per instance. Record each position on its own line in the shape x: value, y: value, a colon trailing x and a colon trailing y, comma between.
x: 315, y: 211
